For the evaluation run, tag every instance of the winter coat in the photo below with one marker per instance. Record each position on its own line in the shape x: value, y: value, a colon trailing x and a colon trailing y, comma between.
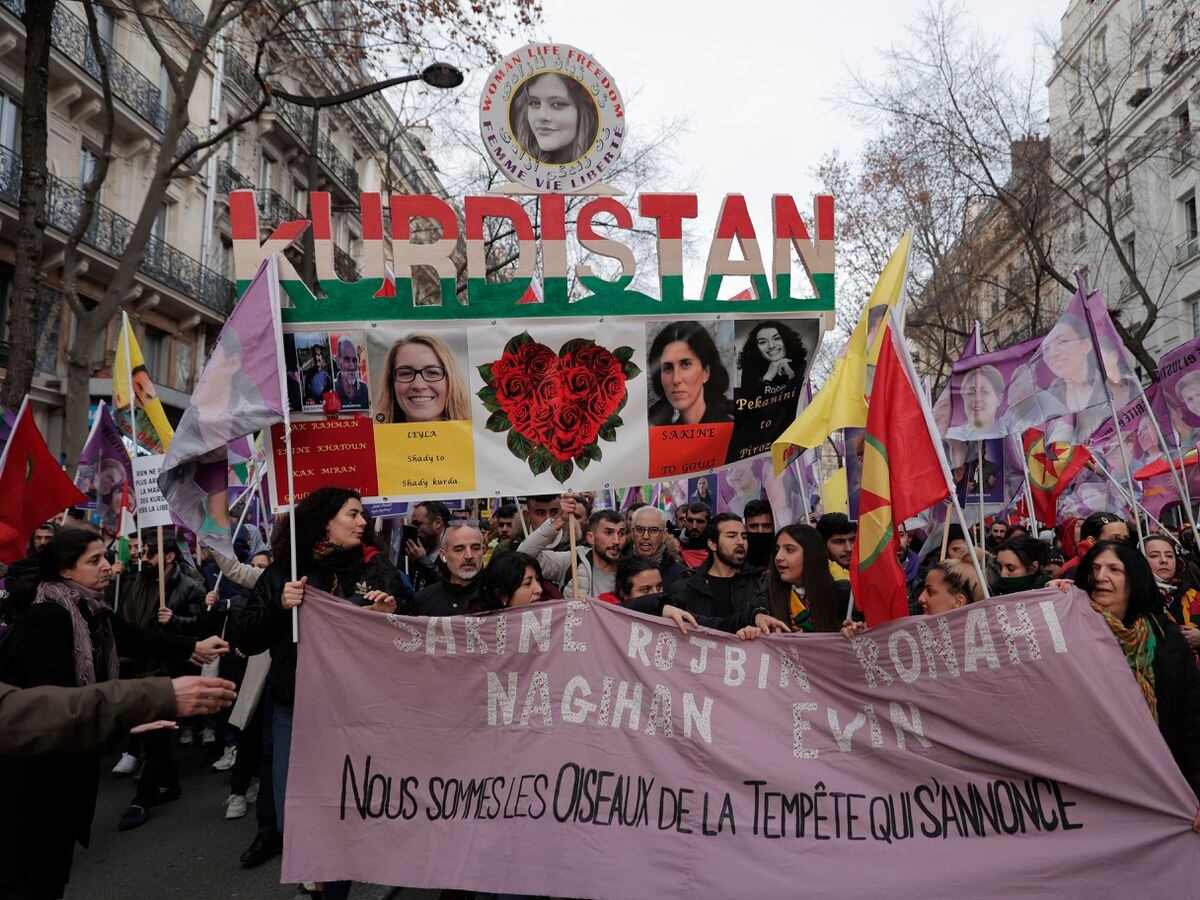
x: 56, y: 791
x: 441, y: 598
x: 1177, y: 691
x: 556, y: 564
x: 694, y: 593
x: 265, y: 625
x: 41, y: 719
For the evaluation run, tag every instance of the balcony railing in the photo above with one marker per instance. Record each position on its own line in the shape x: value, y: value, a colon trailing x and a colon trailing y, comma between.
x: 1183, y: 152
x: 1124, y: 202
x: 69, y: 36
x: 1187, y: 249
x: 109, y: 233
x: 230, y: 179
x: 274, y: 209
x: 344, y: 265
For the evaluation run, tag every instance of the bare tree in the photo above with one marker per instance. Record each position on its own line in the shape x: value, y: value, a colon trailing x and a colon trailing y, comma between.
x: 283, y: 39
x: 950, y: 84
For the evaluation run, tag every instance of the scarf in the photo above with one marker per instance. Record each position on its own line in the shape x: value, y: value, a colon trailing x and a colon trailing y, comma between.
x: 1021, y: 583
x: 800, y: 616
x: 95, y: 649
x: 1138, y: 643
x: 343, y: 564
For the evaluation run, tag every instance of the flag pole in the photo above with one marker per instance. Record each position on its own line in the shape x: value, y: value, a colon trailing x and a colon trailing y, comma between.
x: 1030, y: 518
x: 979, y: 487
x: 1125, y: 493
x: 1180, y: 477
x: 137, y: 509
x: 1112, y: 407
x: 936, y: 439
x: 804, y: 490
x: 276, y: 302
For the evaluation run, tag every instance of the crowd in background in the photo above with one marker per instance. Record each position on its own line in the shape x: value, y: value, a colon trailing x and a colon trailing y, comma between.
x: 73, y: 615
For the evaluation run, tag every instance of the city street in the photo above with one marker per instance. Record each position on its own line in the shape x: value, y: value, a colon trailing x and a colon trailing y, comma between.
x: 185, y: 849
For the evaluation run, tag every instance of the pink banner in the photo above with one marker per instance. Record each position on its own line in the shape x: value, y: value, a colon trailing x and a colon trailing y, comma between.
x: 577, y: 749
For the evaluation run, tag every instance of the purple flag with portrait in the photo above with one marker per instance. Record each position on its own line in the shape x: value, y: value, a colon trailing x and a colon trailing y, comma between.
x: 978, y: 391
x: 239, y: 393
x: 105, y: 469
x: 1064, y: 388
x: 1178, y: 400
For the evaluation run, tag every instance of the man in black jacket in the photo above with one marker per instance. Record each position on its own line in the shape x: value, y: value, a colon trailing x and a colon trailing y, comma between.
x: 725, y: 585
x: 461, y: 563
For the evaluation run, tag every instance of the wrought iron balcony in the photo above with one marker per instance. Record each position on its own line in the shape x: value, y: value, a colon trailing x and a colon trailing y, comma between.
x: 69, y: 36
x: 273, y: 209
x: 240, y: 73
x: 230, y: 179
x: 109, y: 234
x: 344, y: 265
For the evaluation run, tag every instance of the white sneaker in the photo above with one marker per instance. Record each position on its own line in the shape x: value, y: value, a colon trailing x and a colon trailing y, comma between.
x: 252, y: 791
x: 228, y: 758
x: 208, y: 736
x: 186, y: 737
x: 235, y: 806
x: 125, y: 765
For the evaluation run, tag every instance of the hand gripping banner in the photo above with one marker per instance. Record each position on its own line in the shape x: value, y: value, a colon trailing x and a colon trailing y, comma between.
x: 576, y: 749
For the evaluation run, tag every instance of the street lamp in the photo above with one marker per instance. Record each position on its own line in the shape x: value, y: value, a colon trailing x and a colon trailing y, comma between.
x: 438, y: 75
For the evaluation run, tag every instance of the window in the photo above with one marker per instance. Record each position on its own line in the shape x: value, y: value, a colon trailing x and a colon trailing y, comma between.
x: 1129, y: 246
x: 158, y: 228
x: 10, y: 123
x: 1196, y: 317
x: 156, y: 350
x: 231, y: 150
x: 1144, y: 8
x: 1147, y: 76
x: 1183, y: 120
x: 6, y: 282
x: 266, y: 172
x: 164, y: 87
x: 1190, y: 230
x: 106, y: 25
x: 299, y: 196
x: 1100, y: 50
x: 88, y: 158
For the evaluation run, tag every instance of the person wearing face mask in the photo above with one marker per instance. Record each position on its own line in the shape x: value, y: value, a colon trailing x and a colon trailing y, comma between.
x: 1021, y: 562
x: 1122, y: 589
x: 460, y: 560
x: 760, y: 533
x: 1176, y: 585
x: 909, y: 561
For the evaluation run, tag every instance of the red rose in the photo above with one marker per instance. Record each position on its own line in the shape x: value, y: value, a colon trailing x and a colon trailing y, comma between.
x: 503, y: 368
x: 598, y: 408
x: 578, y: 382
x: 548, y: 392
x: 537, y: 360
x: 572, y: 433
x: 612, y: 388
x: 595, y: 358
x: 514, y: 390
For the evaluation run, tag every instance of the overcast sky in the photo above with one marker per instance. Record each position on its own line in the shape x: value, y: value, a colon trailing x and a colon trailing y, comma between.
x: 757, y: 78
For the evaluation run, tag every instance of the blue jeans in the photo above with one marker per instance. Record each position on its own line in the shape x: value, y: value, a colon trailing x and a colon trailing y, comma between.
x: 281, y: 752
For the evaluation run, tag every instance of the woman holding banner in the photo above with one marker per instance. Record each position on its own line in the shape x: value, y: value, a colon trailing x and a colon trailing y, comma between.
x: 336, y: 552
x: 422, y: 382
x: 1176, y: 585
x: 69, y: 637
x: 510, y: 579
x: 1122, y: 589
x: 1022, y: 564
x: 799, y: 589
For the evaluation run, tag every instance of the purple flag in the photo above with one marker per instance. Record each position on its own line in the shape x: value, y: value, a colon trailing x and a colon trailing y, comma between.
x: 1178, y: 400
x: 239, y: 393
x: 979, y: 391
x: 105, y: 469
x: 1065, y: 387
x: 578, y: 749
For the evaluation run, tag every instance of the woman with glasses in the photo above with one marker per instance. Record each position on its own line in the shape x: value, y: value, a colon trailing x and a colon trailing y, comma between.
x: 422, y: 383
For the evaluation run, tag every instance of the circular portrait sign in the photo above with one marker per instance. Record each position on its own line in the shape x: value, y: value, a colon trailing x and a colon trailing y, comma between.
x: 551, y: 118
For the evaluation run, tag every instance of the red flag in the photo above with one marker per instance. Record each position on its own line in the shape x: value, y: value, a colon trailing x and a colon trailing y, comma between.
x: 903, y: 472
x: 1051, y: 467
x: 33, y: 485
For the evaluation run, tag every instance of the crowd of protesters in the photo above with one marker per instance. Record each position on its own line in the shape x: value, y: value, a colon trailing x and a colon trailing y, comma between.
x: 75, y: 622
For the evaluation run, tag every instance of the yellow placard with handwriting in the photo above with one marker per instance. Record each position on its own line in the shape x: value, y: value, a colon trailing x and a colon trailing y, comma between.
x: 424, y: 457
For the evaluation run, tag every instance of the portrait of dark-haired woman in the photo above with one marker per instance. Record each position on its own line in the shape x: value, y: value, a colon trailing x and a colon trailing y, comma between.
x: 688, y: 381
x: 772, y: 355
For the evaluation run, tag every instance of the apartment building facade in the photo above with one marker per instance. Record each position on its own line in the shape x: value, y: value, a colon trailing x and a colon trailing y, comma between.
x: 184, y: 287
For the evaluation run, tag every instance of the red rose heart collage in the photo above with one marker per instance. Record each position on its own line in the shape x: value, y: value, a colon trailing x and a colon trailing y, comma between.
x: 557, y: 407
